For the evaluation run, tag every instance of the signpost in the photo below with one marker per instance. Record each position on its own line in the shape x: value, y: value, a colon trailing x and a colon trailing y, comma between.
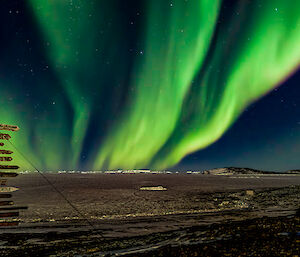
x: 5, y: 159
x: 8, y: 189
x: 5, y: 136
x: 4, y: 203
x: 5, y: 195
x: 14, y: 208
x: 5, y: 191
x: 9, y: 127
x: 5, y: 152
x: 9, y: 223
x: 9, y: 167
x: 3, y: 182
x: 8, y: 174
x: 9, y: 214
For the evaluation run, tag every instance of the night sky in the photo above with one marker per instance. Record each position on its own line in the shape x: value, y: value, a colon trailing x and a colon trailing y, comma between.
x: 266, y: 136
x: 180, y: 84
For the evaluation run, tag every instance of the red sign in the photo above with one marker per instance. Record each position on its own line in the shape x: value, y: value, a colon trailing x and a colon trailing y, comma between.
x: 9, y: 127
x: 5, y: 136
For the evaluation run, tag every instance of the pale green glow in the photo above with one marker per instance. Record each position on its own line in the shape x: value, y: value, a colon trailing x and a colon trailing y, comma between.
x: 161, y: 78
x: 263, y: 53
x: 186, y: 90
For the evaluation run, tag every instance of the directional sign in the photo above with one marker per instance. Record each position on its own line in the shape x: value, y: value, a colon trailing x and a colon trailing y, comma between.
x: 8, y: 174
x: 9, y: 127
x: 1, y: 144
x: 5, y: 136
x: 5, y: 159
x: 9, y: 223
x: 5, y: 195
x: 9, y: 214
x: 6, y: 152
x: 14, y: 208
x: 3, y: 182
x: 4, y: 203
x: 9, y: 167
x: 8, y: 189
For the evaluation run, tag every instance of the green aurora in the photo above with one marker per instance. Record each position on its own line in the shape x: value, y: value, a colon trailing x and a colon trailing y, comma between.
x: 189, y: 82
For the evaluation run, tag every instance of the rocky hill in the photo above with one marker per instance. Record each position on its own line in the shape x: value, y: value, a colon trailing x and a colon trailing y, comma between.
x: 293, y: 172
x: 235, y: 170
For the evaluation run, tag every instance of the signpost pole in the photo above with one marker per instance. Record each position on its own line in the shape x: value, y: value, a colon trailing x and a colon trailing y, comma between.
x: 5, y: 191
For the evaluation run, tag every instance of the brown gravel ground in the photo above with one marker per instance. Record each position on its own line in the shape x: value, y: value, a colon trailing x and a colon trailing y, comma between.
x: 199, y: 215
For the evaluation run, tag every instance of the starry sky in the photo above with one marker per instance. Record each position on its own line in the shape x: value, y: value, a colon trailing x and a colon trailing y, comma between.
x: 182, y: 84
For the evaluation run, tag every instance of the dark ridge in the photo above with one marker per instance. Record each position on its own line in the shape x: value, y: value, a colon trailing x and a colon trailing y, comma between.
x: 236, y: 170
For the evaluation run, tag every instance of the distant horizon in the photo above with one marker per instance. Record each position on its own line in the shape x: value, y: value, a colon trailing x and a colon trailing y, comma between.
x: 149, y: 170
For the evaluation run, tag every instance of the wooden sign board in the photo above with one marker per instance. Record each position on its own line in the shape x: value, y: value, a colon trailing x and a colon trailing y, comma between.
x: 5, y: 195
x: 5, y: 136
x: 14, y: 208
x: 9, y: 214
x: 6, y: 152
x: 9, y: 223
x: 8, y: 189
x: 8, y: 174
x: 9, y: 167
x: 4, y: 203
x: 3, y: 182
x: 5, y: 159
x: 9, y: 127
